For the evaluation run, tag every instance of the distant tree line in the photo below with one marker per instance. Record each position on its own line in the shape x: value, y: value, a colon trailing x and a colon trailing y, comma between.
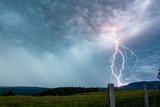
x: 67, y: 91
x: 8, y: 93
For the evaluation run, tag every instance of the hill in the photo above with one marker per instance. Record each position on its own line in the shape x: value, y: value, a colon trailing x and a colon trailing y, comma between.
x: 74, y: 90
x: 23, y: 90
x: 139, y: 85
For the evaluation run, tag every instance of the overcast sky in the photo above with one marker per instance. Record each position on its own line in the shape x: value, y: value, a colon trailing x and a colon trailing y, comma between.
x: 52, y: 43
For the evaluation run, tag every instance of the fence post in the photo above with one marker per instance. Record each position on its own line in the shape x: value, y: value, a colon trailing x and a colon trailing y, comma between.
x: 146, y: 103
x: 111, y: 95
x: 156, y: 91
x: 158, y: 96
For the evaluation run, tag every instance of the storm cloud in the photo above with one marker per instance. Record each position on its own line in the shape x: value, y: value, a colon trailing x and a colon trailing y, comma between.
x: 56, y: 43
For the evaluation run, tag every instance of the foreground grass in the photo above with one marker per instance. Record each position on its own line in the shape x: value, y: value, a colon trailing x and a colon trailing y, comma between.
x: 97, y: 99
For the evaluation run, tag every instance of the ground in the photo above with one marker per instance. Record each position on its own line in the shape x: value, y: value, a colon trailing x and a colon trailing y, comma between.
x: 94, y: 99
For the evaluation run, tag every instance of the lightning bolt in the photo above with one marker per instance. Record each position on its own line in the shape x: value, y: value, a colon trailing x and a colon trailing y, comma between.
x: 121, y: 50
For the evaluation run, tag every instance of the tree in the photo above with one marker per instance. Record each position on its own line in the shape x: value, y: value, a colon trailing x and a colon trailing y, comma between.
x: 8, y: 93
x: 158, y: 74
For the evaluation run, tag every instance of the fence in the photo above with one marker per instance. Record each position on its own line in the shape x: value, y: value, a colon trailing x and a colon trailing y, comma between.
x: 146, y: 100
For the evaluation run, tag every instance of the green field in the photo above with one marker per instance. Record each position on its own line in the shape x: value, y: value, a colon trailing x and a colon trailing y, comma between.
x: 94, y: 99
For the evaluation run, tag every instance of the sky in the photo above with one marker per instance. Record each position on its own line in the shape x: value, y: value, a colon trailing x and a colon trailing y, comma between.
x: 61, y: 43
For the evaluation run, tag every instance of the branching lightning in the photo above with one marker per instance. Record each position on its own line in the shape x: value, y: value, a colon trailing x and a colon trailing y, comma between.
x: 122, y: 51
x: 129, y: 28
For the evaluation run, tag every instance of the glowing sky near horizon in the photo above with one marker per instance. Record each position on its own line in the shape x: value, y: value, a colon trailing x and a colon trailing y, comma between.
x: 55, y: 43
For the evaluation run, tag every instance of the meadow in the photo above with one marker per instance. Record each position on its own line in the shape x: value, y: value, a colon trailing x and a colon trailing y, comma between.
x: 93, y: 99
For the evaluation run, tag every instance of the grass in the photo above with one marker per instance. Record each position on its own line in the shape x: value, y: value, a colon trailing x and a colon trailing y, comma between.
x: 94, y: 99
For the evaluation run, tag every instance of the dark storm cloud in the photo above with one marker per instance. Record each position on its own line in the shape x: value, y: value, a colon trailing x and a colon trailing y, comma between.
x: 58, y: 43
